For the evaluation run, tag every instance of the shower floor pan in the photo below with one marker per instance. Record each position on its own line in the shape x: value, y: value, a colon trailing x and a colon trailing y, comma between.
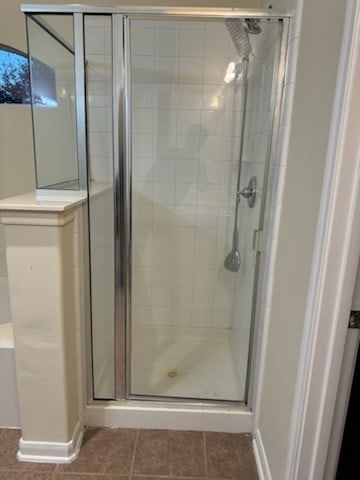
x: 193, y: 363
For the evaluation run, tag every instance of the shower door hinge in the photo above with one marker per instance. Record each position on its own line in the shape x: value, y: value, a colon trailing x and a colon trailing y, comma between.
x: 258, y: 240
x: 354, y: 320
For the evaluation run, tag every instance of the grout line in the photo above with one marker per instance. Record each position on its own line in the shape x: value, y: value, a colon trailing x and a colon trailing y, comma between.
x: 25, y: 471
x: 205, y: 455
x: 133, y: 456
x: 165, y: 477
x: 82, y: 475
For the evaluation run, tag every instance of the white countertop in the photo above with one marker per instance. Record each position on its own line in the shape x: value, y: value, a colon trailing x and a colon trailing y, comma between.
x: 29, y: 202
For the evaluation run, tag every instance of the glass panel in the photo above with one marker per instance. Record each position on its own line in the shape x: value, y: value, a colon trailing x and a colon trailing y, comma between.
x: 98, y: 40
x: 53, y: 99
x: 257, y: 138
x: 191, y: 317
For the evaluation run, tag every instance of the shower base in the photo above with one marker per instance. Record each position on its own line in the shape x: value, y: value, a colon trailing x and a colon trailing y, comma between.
x: 207, y: 370
x: 185, y: 362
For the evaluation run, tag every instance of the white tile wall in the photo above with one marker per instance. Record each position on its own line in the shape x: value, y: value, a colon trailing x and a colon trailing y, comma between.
x: 185, y: 144
x: 186, y: 129
x: 99, y: 97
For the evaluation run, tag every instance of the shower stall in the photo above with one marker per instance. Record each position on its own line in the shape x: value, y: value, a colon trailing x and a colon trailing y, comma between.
x: 166, y: 120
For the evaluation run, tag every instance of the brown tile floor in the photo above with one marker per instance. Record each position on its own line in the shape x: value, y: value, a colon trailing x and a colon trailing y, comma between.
x: 114, y: 454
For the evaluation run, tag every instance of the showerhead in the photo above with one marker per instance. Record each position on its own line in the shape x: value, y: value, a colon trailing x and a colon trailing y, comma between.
x: 239, y: 37
x: 233, y: 261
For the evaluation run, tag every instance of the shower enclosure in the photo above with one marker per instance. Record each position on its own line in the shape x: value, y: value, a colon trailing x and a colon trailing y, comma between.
x: 169, y: 131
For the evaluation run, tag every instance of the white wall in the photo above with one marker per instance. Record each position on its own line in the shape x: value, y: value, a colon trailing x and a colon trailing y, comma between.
x: 313, y: 99
x: 16, y: 149
x: 5, y: 315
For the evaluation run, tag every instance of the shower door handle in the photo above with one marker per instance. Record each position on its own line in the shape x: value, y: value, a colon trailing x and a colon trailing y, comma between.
x: 258, y: 240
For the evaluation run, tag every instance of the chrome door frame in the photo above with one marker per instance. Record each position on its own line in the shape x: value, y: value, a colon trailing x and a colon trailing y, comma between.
x: 122, y: 165
x: 123, y: 320
x: 271, y: 151
x: 121, y: 155
x: 198, y: 12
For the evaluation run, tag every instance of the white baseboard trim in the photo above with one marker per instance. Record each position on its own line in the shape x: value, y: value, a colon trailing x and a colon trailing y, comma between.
x: 132, y: 414
x: 260, y: 457
x: 52, y: 452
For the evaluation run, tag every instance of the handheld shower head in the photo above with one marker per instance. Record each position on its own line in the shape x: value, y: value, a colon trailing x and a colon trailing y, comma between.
x: 239, y: 37
x: 233, y: 261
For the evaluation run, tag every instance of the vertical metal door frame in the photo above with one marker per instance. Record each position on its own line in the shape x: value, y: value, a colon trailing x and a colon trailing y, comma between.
x: 81, y: 130
x: 121, y: 152
x: 253, y: 364
x: 122, y: 174
x: 127, y: 197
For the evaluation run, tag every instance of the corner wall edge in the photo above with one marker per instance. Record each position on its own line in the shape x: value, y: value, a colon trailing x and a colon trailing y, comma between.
x: 260, y: 457
x: 52, y: 452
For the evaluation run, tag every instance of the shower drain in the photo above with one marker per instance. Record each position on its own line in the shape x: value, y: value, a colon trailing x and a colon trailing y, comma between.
x: 172, y: 373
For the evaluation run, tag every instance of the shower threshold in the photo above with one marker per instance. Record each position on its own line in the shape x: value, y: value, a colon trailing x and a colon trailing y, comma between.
x: 218, y: 417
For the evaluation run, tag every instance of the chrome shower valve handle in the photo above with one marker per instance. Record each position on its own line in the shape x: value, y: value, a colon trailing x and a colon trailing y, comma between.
x: 246, y: 192
x: 249, y: 192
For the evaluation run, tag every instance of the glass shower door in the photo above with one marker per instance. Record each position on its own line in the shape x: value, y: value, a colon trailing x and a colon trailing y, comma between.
x: 165, y: 181
x: 190, y: 316
x: 99, y: 88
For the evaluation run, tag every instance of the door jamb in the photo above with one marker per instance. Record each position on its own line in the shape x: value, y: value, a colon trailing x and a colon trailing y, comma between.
x: 334, y: 270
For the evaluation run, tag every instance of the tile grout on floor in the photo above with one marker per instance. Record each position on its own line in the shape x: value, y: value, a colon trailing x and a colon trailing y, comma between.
x: 118, y: 454
x: 133, y: 455
x: 205, y: 455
